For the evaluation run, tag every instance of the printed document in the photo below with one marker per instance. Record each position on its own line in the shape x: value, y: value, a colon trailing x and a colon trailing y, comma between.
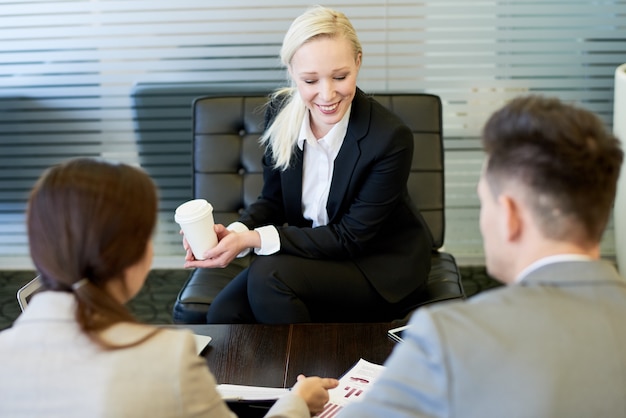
x: 352, y: 387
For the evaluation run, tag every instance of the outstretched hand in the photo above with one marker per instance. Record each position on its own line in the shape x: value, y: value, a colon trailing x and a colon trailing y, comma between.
x: 314, y: 391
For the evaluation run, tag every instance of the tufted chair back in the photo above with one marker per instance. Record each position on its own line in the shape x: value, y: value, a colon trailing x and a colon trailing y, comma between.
x: 227, y: 168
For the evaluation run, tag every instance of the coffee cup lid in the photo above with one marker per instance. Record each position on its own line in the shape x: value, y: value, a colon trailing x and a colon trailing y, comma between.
x: 192, y: 210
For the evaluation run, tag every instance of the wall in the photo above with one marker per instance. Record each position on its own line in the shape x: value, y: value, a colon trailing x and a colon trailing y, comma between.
x: 116, y: 78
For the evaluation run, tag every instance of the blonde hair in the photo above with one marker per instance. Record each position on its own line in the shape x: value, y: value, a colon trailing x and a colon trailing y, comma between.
x: 282, y: 135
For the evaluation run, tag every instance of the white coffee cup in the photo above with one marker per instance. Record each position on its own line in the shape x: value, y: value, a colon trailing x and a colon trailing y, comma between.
x: 195, y: 218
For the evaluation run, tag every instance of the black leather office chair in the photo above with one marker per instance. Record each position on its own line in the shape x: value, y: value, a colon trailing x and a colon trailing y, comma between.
x: 227, y: 172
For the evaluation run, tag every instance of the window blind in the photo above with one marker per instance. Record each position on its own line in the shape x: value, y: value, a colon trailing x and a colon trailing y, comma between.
x: 115, y: 79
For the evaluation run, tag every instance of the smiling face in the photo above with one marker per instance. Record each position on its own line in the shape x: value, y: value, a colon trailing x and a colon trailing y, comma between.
x: 325, y: 72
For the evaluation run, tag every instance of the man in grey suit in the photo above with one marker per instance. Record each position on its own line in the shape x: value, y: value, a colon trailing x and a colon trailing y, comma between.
x: 552, y: 343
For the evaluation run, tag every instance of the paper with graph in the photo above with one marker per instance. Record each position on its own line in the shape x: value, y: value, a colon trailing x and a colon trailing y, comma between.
x: 352, y: 386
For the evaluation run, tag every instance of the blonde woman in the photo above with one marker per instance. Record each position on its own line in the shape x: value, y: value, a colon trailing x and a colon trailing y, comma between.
x: 335, y: 233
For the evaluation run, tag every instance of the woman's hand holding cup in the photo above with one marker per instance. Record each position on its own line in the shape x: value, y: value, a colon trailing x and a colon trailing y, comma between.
x: 195, y: 218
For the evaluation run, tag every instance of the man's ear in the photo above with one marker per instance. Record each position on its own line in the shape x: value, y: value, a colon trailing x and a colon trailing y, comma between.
x: 512, y: 220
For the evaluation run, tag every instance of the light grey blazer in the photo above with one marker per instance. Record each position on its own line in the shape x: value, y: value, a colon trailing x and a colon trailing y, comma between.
x: 48, y: 368
x: 553, y: 346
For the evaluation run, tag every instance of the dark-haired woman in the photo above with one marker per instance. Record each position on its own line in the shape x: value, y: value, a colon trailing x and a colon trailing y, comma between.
x: 76, y: 351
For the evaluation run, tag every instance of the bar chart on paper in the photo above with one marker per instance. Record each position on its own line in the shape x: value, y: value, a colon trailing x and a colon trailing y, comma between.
x: 351, y: 387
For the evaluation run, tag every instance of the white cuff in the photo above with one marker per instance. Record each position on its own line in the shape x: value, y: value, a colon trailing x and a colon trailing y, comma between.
x: 270, y: 241
x: 239, y: 227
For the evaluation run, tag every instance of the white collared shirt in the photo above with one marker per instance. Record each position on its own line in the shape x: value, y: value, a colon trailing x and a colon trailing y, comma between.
x: 318, y: 166
x: 558, y: 258
x: 317, y: 174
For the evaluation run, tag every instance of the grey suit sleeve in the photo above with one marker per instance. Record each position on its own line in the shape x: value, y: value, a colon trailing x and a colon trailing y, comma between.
x: 199, y: 396
x: 198, y: 393
x: 415, y: 380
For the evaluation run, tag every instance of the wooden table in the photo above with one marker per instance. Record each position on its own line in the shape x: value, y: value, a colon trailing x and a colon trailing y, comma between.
x: 274, y: 355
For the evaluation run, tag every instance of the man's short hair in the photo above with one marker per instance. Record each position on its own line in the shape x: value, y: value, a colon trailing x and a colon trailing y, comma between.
x: 563, y: 156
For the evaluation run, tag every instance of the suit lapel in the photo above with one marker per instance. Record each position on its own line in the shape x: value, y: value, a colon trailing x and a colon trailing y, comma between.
x: 349, y: 153
x: 292, y: 187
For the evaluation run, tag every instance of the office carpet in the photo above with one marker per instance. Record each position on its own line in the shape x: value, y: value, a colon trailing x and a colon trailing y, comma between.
x: 154, y: 302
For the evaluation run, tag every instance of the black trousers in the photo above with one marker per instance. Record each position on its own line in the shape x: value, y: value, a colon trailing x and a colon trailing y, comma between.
x: 282, y: 289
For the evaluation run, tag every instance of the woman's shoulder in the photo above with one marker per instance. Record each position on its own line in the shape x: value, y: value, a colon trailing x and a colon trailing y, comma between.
x: 378, y: 115
x: 156, y: 336
x: 382, y: 110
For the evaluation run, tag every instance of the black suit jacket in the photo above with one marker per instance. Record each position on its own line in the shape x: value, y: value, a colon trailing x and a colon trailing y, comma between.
x: 372, y: 220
